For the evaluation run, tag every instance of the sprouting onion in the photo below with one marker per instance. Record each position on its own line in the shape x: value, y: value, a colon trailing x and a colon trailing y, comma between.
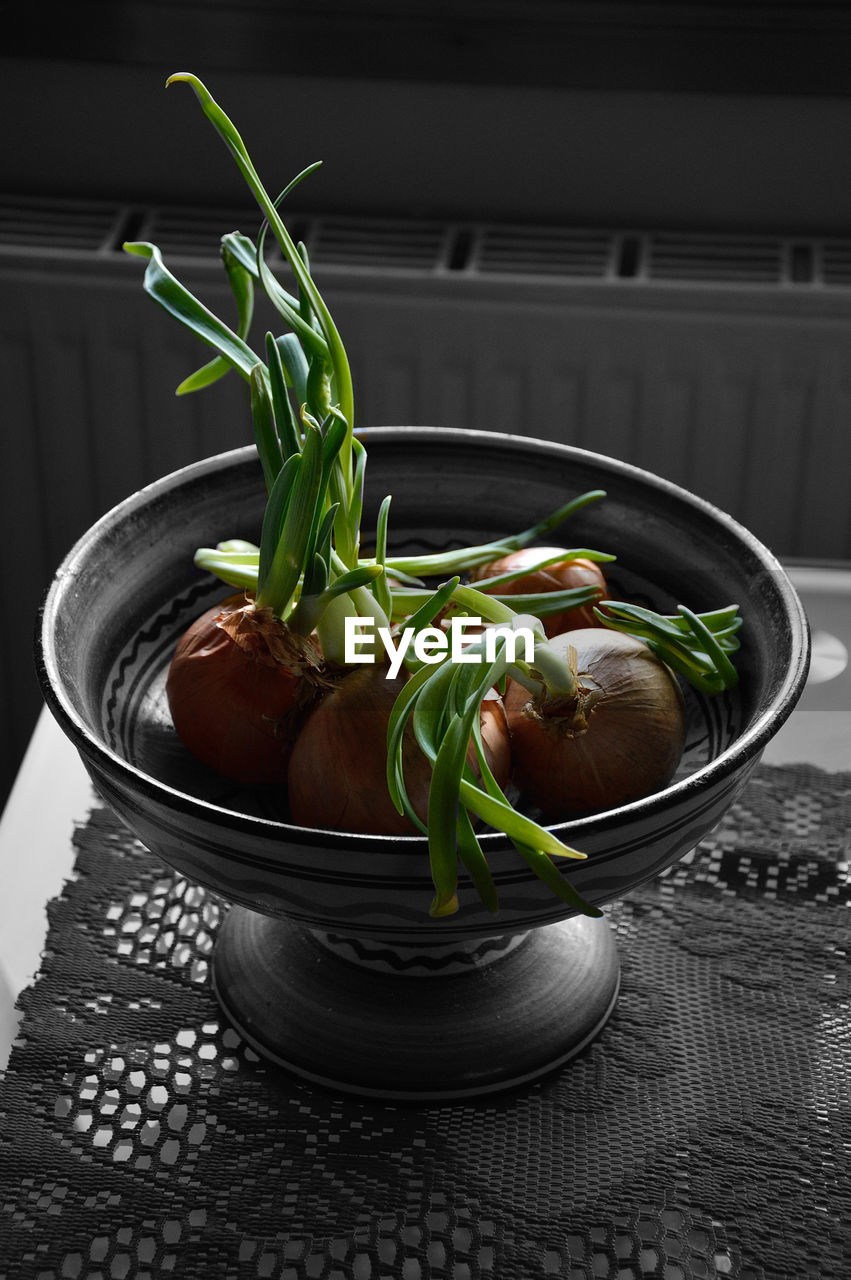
x: 617, y: 733
x: 596, y: 720
x: 245, y: 674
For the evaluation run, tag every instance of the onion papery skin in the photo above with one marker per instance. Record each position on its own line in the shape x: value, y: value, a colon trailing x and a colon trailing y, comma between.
x: 338, y: 769
x: 561, y: 575
x: 622, y: 737
x: 239, y: 687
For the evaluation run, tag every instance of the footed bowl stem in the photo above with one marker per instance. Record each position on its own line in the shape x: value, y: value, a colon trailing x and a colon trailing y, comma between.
x: 419, y: 1023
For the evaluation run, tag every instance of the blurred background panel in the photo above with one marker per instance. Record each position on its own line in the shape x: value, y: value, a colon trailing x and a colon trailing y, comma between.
x: 621, y: 226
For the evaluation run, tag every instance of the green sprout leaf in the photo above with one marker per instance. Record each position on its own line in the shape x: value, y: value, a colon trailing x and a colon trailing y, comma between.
x: 167, y: 290
x: 439, y: 562
x: 694, y: 645
x: 230, y: 135
x: 242, y: 287
x: 290, y: 523
x: 265, y: 431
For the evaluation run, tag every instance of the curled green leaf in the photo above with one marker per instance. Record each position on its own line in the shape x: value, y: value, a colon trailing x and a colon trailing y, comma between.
x: 177, y: 300
x: 242, y: 287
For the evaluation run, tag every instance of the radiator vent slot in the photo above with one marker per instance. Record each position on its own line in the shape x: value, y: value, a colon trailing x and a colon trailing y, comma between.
x: 29, y: 223
x: 713, y: 259
x: 835, y: 262
x: 379, y: 243
x: 544, y: 251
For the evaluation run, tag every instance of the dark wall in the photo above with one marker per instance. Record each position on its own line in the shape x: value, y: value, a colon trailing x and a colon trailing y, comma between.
x: 716, y: 115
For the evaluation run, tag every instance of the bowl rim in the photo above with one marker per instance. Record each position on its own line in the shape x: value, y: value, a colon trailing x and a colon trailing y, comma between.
x: 744, y: 751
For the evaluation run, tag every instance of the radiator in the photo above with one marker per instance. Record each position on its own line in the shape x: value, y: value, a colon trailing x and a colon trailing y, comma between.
x: 719, y: 361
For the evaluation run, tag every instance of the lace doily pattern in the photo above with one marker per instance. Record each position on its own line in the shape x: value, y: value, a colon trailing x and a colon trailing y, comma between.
x: 705, y: 1133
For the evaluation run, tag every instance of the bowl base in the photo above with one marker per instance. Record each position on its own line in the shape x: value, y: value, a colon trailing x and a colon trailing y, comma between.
x: 428, y: 1024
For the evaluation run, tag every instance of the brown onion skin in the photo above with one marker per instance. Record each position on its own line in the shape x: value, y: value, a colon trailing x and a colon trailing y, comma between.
x: 337, y: 774
x: 239, y: 687
x: 621, y: 741
x: 561, y: 575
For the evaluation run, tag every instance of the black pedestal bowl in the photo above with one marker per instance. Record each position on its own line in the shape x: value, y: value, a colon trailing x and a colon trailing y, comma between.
x: 328, y: 962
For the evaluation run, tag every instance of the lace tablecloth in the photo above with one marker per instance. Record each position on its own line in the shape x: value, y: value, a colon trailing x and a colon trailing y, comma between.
x: 706, y: 1132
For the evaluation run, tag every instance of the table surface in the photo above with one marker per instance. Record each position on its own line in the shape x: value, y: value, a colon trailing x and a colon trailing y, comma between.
x: 818, y: 733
